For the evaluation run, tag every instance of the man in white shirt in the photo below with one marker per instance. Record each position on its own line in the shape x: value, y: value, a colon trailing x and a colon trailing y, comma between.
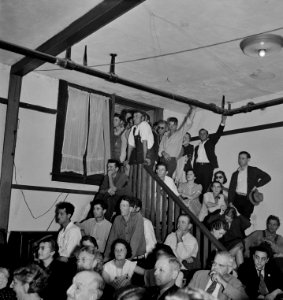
x: 98, y: 226
x: 182, y: 242
x: 244, y: 181
x: 205, y: 159
x: 140, y: 141
x: 69, y: 235
x: 218, y: 281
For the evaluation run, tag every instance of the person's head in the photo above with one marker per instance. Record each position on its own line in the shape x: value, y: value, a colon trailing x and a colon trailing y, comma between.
x: 187, y: 138
x: 161, y: 127
x: 89, y: 241
x: 190, y: 175
x: 272, y: 224
x: 230, y: 214
x: 161, y: 170
x: 203, y: 134
x: 216, y: 188
x: 87, y: 285
x: 47, y: 249
x: 244, y: 158
x: 127, y: 205
x: 184, y: 223
x: 146, y: 117
x: 89, y: 258
x: 220, y: 177
x: 99, y: 208
x: 29, y: 280
x: 189, y: 293
x: 130, y: 122
x: 218, y: 228
x: 4, y: 277
x: 138, y: 205
x: 64, y: 212
x: 113, y: 165
x: 172, y: 124
x: 132, y: 293
x: 120, y: 250
x: 224, y: 263
x: 117, y: 121
x: 138, y: 117
x: 166, y: 270
x: 261, y: 255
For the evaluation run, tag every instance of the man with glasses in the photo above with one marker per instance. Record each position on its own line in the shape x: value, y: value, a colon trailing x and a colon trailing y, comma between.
x: 259, y: 274
x: 218, y: 281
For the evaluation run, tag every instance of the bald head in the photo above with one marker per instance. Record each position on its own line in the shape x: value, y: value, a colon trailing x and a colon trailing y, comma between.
x: 87, y: 285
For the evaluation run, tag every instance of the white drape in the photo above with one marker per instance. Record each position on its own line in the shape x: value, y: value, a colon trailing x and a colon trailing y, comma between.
x: 98, y: 150
x: 77, y: 134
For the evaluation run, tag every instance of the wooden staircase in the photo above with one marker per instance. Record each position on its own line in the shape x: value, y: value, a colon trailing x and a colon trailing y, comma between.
x: 162, y: 207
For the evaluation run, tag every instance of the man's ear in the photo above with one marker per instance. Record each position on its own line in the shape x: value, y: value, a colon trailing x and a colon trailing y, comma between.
x: 175, y: 274
x: 190, y: 226
x: 131, y: 209
x: 104, y: 211
x: 26, y: 287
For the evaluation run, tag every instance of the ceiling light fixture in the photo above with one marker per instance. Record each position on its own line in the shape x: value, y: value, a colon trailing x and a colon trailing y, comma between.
x: 262, y: 45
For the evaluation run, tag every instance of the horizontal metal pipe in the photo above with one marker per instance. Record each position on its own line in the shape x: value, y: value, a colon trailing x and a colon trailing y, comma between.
x: 253, y: 106
x: 70, y: 65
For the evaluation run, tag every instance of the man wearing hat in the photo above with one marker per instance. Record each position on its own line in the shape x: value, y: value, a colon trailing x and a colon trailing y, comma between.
x: 243, y: 193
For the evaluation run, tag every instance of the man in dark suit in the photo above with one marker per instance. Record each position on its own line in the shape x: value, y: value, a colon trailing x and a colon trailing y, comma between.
x: 262, y: 278
x: 243, y: 181
x: 205, y: 159
x: 167, y: 269
x: 218, y: 281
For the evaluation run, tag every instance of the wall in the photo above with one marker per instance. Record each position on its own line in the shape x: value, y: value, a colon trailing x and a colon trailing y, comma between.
x: 264, y: 146
x: 34, y: 210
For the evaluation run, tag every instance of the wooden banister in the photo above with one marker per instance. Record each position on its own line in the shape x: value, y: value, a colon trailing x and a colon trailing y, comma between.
x: 179, y: 202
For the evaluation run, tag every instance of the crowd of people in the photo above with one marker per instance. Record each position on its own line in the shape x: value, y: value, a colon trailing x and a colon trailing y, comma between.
x: 114, y: 253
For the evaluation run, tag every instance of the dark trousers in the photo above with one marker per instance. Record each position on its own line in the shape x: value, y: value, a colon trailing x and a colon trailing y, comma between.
x: 243, y: 205
x: 171, y: 165
x: 204, y: 174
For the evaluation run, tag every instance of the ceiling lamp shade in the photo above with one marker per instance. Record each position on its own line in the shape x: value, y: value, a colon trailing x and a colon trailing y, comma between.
x: 261, y: 45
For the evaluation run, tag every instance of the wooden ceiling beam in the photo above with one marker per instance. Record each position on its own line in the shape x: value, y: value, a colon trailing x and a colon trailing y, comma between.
x: 101, y: 15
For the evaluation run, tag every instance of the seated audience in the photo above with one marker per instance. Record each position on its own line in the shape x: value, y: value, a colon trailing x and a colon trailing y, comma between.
x: 269, y: 235
x: 190, y: 294
x: 218, y: 281
x: 6, y: 293
x: 262, y: 278
x: 128, y: 226
x: 183, y: 244
x: 140, y: 141
x: 69, y: 235
x: 87, y: 285
x: 59, y: 273
x: 89, y: 258
x: 166, y: 272
x: 149, y: 234
x: 29, y: 282
x: 114, y: 185
x: 97, y: 227
x: 220, y: 176
x: 171, y: 143
x: 119, y: 271
x: 161, y: 171
x: 190, y: 192
x: 244, y: 181
x: 213, y: 202
x: 233, y: 239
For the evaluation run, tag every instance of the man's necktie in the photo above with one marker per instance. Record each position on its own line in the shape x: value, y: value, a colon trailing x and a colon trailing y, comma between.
x: 212, y: 287
x: 262, y: 288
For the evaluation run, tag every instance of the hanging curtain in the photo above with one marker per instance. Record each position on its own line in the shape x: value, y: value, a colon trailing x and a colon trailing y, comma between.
x: 98, y: 149
x: 76, y: 129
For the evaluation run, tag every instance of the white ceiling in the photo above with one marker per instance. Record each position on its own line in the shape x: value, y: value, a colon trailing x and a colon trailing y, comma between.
x: 204, y: 33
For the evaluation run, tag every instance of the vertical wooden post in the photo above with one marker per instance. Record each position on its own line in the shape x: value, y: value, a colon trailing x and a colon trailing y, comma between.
x: 9, y: 148
x: 153, y: 208
x: 143, y: 190
x: 170, y: 215
x: 158, y: 213
x: 164, y: 214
